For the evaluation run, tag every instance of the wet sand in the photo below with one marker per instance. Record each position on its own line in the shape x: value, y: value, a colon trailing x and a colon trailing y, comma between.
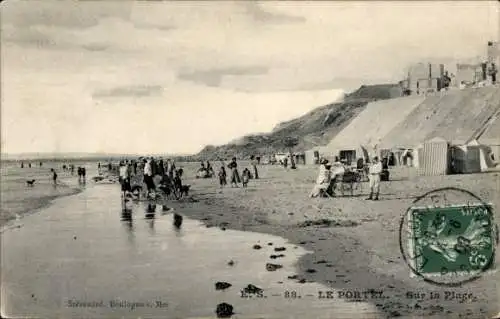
x: 83, y: 250
x: 364, y: 256
x: 18, y: 199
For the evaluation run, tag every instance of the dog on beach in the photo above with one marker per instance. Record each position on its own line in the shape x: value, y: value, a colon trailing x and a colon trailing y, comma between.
x: 177, y: 220
x: 184, y: 190
x: 30, y: 183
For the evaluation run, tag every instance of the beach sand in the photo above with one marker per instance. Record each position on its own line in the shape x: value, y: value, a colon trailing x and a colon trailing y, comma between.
x: 362, y: 251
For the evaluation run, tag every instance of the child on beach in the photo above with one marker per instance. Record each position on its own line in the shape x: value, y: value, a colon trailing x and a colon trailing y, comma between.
x: 222, y: 177
x: 245, y: 177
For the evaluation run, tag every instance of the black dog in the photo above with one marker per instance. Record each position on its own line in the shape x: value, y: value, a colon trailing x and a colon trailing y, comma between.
x: 177, y: 220
x: 30, y: 183
x: 184, y: 190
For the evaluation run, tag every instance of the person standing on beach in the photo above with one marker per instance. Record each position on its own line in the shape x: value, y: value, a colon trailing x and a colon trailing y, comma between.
x: 374, y: 177
x: 235, y: 176
x: 54, y: 176
x: 254, y: 163
x: 222, y: 177
x: 148, y: 176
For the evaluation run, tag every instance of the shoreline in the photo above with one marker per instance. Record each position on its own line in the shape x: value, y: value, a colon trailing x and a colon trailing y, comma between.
x: 26, y: 207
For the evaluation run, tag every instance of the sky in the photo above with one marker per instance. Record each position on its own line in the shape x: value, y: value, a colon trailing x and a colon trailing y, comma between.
x: 154, y: 77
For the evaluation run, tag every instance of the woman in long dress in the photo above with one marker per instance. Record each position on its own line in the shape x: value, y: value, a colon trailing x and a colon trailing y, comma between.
x: 235, y: 176
x: 323, y: 180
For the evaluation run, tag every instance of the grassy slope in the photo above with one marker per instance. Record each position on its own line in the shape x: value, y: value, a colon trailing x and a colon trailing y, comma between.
x: 315, y: 128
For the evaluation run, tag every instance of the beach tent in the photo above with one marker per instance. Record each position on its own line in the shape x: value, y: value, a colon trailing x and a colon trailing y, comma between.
x: 433, y: 157
x: 312, y: 157
x: 485, y: 153
x: 465, y: 159
x: 348, y: 153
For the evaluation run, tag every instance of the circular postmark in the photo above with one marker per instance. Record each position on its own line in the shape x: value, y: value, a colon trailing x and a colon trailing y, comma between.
x: 448, y: 236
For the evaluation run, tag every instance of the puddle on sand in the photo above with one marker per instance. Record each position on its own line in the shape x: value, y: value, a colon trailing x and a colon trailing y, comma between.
x: 82, y: 249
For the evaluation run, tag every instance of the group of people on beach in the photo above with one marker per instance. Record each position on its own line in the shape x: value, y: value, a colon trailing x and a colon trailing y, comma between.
x: 29, y: 164
x: 235, y: 175
x: 133, y: 174
x: 330, y: 175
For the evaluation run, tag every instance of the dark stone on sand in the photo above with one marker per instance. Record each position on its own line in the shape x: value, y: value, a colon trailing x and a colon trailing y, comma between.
x: 303, y: 243
x: 270, y: 244
x: 290, y: 213
x: 310, y: 270
x: 230, y: 263
x: 302, y: 281
x: 276, y: 256
x: 221, y: 285
x: 224, y: 310
x: 322, y: 261
x: 390, y: 286
x: 279, y: 249
x: 257, y: 247
x: 252, y: 289
x: 293, y: 277
x: 223, y: 228
x: 74, y: 237
x: 273, y: 267
x: 328, y: 223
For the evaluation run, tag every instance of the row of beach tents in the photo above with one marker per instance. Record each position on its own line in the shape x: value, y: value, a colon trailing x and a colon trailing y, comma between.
x: 454, y: 133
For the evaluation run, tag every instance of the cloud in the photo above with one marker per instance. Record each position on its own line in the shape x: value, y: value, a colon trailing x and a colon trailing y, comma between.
x: 134, y: 91
x: 214, y: 77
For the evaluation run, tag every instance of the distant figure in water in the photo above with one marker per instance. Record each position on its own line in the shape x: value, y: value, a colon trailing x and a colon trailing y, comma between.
x: 41, y: 164
x: 22, y: 164
x: 54, y: 176
x: 29, y: 165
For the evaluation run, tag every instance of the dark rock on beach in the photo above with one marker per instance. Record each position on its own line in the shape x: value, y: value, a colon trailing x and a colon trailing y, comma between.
x: 276, y: 256
x: 273, y: 267
x: 257, y: 246
x: 221, y: 285
x: 279, y: 249
x: 311, y: 271
x: 224, y: 310
x: 328, y: 223
x: 293, y: 277
x: 230, y: 263
x: 252, y: 289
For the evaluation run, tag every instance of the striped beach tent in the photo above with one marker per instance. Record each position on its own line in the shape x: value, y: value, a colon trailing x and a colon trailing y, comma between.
x: 433, y: 157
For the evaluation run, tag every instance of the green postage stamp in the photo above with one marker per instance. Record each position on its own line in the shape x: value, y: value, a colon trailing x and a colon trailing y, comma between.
x: 451, y: 240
